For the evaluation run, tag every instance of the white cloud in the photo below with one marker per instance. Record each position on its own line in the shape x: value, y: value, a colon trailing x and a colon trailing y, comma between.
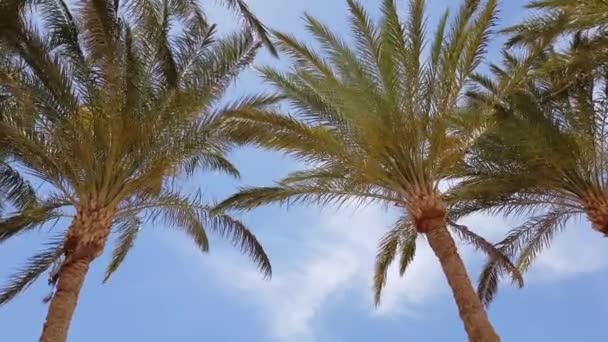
x: 337, y: 256
x: 337, y: 253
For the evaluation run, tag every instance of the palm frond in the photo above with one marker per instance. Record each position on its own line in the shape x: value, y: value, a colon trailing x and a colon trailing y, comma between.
x: 302, y: 55
x: 101, y: 22
x: 250, y: 198
x: 128, y: 229
x: 222, y: 63
x: 14, y: 189
x: 279, y: 132
x: 401, y: 239
x: 490, y: 250
x: 212, y: 161
x: 29, y: 219
x: 536, y: 235
x: 31, y: 271
x: 367, y: 36
x: 551, y: 19
x: 387, y: 251
x: 180, y: 212
x: 241, y: 237
x: 194, y: 217
x: 487, y: 286
x: 480, y: 33
x: 395, y: 55
x: 241, y: 7
x: 525, y: 242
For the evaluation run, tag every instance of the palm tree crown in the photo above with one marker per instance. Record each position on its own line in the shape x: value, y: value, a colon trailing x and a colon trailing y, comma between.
x: 375, y: 120
x: 545, y: 152
x: 107, y: 102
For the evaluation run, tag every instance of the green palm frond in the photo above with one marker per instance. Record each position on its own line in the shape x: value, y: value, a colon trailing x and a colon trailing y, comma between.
x: 400, y: 240
x: 488, y: 281
x: 178, y: 211
x: 128, y: 229
x: 227, y: 59
x: 193, y: 216
x: 495, y: 254
x: 481, y: 31
x: 366, y: 33
x: 535, y: 236
x: 275, y: 131
x: 14, y: 189
x: 552, y: 19
x: 212, y: 161
x: 526, y: 242
x: 241, y: 7
x: 290, y: 194
x: 107, y: 103
x: 100, y: 19
x: 387, y: 251
x: 250, y: 198
x: 538, y: 146
x: 30, y: 218
x: 31, y: 271
x: 241, y: 237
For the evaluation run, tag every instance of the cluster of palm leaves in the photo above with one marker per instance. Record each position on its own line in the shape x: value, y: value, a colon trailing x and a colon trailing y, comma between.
x: 106, y: 104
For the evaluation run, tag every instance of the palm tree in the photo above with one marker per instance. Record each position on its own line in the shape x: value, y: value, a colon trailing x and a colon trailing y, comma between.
x: 107, y: 103
x: 373, y: 122
x: 544, y: 152
x: 557, y: 18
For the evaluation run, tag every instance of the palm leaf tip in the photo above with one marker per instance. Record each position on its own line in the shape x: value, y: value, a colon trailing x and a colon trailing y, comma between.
x: 249, y: 198
x: 496, y: 255
x: 488, y: 283
x: 241, y: 237
x: 254, y: 23
x: 128, y: 230
x: 14, y: 188
x: 387, y: 250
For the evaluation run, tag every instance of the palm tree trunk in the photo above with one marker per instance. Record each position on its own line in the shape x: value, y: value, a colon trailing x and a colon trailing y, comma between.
x: 64, y: 300
x: 597, y: 213
x: 84, y: 242
x: 472, y: 313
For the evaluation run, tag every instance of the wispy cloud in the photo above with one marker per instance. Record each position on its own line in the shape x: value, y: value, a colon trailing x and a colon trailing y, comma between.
x: 336, y: 256
x: 577, y: 251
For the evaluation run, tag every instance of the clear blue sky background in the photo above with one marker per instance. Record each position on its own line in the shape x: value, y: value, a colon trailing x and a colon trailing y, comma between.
x: 167, y: 291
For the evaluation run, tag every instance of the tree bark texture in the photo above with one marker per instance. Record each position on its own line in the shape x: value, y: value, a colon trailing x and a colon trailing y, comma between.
x: 597, y: 213
x: 84, y: 242
x: 472, y: 313
x: 429, y: 215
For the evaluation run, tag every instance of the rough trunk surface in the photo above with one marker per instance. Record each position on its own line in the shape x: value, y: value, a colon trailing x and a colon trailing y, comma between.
x: 472, y: 313
x: 84, y: 242
x: 597, y: 213
x: 430, y: 218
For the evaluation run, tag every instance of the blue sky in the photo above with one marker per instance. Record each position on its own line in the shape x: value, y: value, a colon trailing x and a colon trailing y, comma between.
x: 321, y: 290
